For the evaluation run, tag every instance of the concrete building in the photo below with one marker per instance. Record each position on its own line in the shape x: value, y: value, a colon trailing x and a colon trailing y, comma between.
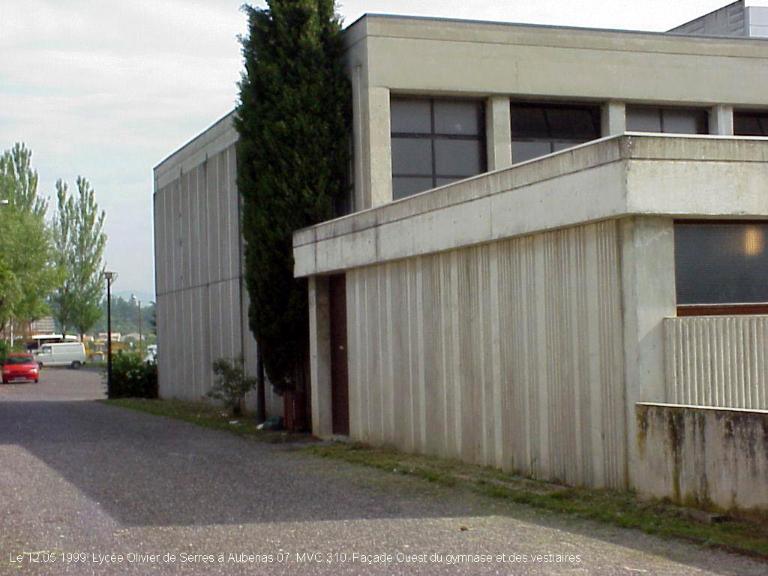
x: 202, y: 303
x: 558, y: 244
x: 741, y: 18
x: 554, y: 228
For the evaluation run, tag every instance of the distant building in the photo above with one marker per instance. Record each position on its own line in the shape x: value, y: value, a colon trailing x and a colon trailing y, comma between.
x: 738, y: 19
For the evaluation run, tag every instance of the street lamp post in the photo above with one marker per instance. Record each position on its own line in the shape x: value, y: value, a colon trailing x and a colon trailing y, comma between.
x: 110, y: 277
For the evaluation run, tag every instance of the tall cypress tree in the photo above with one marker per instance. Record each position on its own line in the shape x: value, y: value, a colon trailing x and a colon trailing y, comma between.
x: 293, y: 119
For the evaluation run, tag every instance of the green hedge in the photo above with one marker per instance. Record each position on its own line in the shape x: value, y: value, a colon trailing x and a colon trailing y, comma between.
x: 132, y: 377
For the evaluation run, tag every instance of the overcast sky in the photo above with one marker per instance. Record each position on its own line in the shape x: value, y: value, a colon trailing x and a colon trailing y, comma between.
x: 107, y: 89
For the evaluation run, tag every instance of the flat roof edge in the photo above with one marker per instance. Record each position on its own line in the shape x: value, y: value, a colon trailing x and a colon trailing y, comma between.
x: 196, y: 143
x: 587, y: 29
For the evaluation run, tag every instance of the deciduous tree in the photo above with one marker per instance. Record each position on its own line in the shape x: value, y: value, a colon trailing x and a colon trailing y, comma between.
x: 28, y: 271
x: 78, y: 231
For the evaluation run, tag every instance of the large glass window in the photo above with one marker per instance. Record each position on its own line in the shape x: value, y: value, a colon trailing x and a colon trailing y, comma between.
x: 721, y: 263
x: 750, y: 123
x: 540, y: 129
x: 435, y: 142
x: 667, y: 120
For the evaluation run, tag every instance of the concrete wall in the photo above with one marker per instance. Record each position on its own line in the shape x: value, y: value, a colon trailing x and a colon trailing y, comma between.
x: 730, y: 20
x: 202, y: 303
x: 499, y: 62
x: 717, y: 361
x: 508, y: 354
x: 704, y: 456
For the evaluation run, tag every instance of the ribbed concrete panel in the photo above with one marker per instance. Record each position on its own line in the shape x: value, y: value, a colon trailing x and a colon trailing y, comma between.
x: 507, y: 354
x: 202, y: 308
x: 719, y: 361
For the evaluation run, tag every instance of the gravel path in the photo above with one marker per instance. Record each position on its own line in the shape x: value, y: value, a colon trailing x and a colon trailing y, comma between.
x: 87, y: 488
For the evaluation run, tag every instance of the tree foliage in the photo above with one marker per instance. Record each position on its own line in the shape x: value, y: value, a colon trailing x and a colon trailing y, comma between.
x: 293, y: 119
x: 78, y: 231
x: 28, y: 270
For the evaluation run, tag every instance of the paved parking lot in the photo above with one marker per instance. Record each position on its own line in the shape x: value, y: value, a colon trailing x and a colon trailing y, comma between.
x: 102, y: 490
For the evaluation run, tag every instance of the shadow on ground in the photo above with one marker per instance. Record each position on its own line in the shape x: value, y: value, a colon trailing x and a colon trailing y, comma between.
x: 145, y: 470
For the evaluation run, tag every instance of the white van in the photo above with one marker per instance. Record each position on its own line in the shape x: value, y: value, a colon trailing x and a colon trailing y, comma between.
x: 70, y: 354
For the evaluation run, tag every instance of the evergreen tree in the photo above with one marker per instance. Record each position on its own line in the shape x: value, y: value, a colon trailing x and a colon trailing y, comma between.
x: 80, y: 242
x: 293, y: 119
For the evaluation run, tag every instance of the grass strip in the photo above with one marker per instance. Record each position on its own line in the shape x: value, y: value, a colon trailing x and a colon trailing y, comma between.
x: 207, y: 416
x: 622, y: 509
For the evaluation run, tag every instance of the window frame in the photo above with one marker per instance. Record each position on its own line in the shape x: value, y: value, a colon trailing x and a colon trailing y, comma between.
x: 723, y: 308
x: 480, y: 138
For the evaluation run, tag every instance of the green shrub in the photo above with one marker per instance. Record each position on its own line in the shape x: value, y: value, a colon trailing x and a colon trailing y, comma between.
x: 132, y: 377
x: 5, y: 349
x: 231, y: 384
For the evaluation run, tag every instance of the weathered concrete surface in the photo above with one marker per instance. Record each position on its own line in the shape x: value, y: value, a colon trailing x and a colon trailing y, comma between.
x: 621, y: 176
x: 202, y: 301
x: 717, y: 361
x: 78, y: 476
x: 704, y: 456
x: 507, y: 354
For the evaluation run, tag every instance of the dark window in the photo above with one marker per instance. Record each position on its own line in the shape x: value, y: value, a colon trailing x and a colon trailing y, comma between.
x: 750, y: 123
x: 435, y: 142
x: 667, y: 120
x: 540, y: 129
x: 721, y: 263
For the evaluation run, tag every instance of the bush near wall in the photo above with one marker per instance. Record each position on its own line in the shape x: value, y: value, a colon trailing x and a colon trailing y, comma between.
x: 132, y: 377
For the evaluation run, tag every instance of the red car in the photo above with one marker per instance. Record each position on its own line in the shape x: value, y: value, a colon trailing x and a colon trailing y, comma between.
x: 18, y: 367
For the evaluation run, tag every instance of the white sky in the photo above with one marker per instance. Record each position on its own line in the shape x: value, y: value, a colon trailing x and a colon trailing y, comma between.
x: 107, y: 89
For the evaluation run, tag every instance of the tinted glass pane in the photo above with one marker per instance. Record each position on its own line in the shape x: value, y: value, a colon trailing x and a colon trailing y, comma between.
x: 444, y: 181
x: 643, y: 119
x: 402, y: 187
x: 457, y: 157
x: 746, y: 124
x: 576, y: 123
x: 529, y: 121
x: 457, y: 117
x: 721, y: 263
x: 411, y: 116
x: 522, y: 150
x: 411, y: 156
x: 682, y: 121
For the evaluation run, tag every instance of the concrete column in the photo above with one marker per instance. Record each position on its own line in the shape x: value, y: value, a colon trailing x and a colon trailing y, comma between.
x: 498, y: 132
x: 614, y: 118
x: 648, y: 279
x: 320, y: 356
x: 721, y: 120
x: 371, y: 141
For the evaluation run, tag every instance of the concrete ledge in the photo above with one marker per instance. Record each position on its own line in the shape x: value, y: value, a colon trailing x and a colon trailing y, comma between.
x: 631, y: 174
x: 704, y: 456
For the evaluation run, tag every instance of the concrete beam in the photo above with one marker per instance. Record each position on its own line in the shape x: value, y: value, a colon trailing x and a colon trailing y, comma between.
x: 498, y: 131
x: 648, y: 293
x: 721, y: 120
x: 614, y: 118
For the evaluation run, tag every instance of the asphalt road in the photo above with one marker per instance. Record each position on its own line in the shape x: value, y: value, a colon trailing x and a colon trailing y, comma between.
x: 87, y: 488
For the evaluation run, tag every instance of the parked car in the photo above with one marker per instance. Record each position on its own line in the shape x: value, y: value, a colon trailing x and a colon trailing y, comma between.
x: 70, y: 354
x: 20, y: 367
